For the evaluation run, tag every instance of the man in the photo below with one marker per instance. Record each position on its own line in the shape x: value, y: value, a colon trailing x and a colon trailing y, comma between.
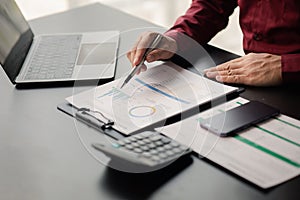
x: 271, y: 30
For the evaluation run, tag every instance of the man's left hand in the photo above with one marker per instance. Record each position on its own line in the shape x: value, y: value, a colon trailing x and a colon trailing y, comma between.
x: 256, y: 69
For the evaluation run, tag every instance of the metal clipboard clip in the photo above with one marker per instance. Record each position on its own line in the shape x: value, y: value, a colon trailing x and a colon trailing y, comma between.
x: 86, y: 116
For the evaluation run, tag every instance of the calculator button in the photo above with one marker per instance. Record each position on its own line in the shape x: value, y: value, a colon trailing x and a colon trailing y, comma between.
x: 140, y: 142
x: 160, y: 149
x: 135, y: 144
x: 137, y: 150
x: 166, y: 140
x: 144, y: 148
x: 151, y: 145
x: 177, y: 150
x: 156, y: 138
x: 146, y: 140
x: 159, y: 143
x: 153, y: 152
x: 138, y: 137
x: 146, y: 134
x: 175, y: 144
x: 168, y: 147
x: 163, y: 155
x: 128, y: 146
x: 146, y: 154
x: 170, y: 153
x: 155, y: 158
x: 132, y: 139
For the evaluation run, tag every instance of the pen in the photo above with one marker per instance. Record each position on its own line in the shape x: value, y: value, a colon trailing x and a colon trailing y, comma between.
x: 153, y: 45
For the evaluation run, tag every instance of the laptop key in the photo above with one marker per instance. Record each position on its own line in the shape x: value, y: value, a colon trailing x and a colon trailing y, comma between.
x: 57, y: 56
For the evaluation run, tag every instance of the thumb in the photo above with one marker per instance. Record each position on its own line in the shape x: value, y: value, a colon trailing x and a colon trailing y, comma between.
x: 155, y: 55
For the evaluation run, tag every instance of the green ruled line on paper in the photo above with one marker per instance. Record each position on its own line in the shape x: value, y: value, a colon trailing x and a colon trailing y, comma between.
x: 267, y: 151
x: 278, y: 136
x: 239, y: 103
x: 288, y: 123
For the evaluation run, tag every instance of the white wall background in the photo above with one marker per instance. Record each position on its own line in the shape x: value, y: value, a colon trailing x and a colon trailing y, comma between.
x: 161, y: 12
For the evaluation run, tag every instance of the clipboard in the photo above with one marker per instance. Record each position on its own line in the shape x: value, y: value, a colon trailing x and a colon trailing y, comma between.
x: 85, y: 115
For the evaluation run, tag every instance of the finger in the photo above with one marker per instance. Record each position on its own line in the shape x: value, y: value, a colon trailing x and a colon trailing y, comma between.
x: 229, y: 72
x: 211, y: 74
x: 132, y: 52
x: 214, y: 69
x: 137, y: 58
x: 157, y: 54
x: 233, y: 64
x: 141, y: 69
x: 237, y: 79
x: 134, y: 55
x: 138, y: 72
x: 228, y: 66
x: 153, y: 55
x: 130, y: 55
x: 141, y: 47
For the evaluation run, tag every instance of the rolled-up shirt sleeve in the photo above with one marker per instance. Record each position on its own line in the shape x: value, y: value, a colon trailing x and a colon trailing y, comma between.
x: 203, y: 20
x: 290, y: 66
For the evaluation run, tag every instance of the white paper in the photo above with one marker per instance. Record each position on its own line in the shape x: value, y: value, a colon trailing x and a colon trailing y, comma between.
x: 160, y: 92
x: 267, y: 154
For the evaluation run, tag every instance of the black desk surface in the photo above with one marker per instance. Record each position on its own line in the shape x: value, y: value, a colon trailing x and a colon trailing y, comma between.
x: 43, y: 157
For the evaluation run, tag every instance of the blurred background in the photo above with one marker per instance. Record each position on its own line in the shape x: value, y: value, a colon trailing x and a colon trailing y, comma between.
x: 160, y: 12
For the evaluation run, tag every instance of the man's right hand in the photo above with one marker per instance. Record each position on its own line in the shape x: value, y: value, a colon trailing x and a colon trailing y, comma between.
x: 165, y: 50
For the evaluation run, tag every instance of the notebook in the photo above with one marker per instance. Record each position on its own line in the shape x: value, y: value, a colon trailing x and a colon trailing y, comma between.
x: 31, y: 60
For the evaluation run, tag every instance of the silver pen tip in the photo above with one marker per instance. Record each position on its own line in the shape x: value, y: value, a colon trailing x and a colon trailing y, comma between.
x: 122, y: 85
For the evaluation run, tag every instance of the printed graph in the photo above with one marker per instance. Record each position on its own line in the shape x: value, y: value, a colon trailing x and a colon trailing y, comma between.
x: 142, y: 111
x: 155, y: 89
x: 115, y: 93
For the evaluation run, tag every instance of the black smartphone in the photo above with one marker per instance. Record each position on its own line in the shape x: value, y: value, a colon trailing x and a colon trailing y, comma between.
x: 239, y: 118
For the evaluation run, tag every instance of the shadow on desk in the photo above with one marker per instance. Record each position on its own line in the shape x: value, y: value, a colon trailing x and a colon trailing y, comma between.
x: 143, y: 184
x: 284, y: 97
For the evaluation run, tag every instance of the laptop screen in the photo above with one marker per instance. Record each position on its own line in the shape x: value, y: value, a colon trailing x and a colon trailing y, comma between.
x: 15, y: 36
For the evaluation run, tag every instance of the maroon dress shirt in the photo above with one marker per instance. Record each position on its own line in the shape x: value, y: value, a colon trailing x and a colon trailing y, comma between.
x: 268, y: 26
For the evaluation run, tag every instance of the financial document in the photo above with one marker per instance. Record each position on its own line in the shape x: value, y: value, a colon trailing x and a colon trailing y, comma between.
x: 266, y: 154
x: 151, y: 97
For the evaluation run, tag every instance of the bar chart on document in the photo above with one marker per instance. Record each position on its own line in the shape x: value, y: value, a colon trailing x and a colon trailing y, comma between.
x: 161, y: 92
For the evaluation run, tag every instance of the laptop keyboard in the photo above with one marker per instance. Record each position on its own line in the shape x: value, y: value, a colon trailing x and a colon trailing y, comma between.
x: 54, y: 57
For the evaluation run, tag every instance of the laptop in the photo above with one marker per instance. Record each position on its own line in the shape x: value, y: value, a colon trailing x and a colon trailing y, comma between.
x: 36, y: 60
